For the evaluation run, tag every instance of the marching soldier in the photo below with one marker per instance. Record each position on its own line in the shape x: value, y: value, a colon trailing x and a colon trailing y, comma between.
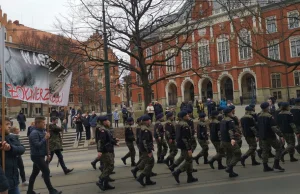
x: 214, y: 128
x: 250, y: 133
x: 105, y: 147
x: 137, y: 134
x: 267, y: 130
x: 220, y: 114
x: 129, y: 139
x: 183, y: 139
x: 170, y: 137
x: 159, y: 135
x: 288, y: 128
x: 296, y: 112
x: 229, y: 142
x: 202, y: 139
x: 192, y: 127
x: 252, y: 112
x: 238, y: 132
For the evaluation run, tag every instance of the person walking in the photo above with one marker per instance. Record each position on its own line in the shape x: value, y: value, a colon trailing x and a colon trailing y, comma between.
x: 200, y: 107
x: 129, y: 139
x: 87, y: 126
x: 116, y: 118
x: 159, y: 135
x: 79, y: 127
x: 241, y: 100
x: 21, y: 118
x: 93, y: 123
x: 170, y: 137
x: 124, y: 114
x: 150, y: 111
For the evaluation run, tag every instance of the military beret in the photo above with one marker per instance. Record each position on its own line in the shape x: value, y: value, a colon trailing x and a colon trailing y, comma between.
x: 215, y: 113
x: 285, y: 104
x: 182, y: 114
x: 159, y: 116
x: 129, y: 119
x: 146, y: 118
x: 264, y: 105
x: 252, y: 105
x: 169, y: 114
x: 297, y: 100
x: 227, y: 110
x: 53, y: 119
x: 232, y: 107
x: 102, y: 118
x: 189, y: 110
x: 202, y: 115
x: 220, y: 108
x: 139, y: 119
x: 248, y: 108
x: 279, y: 104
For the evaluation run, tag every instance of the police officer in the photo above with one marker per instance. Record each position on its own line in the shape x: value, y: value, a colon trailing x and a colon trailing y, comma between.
x: 220, y: 114
x: 105, y: 147
x: 202, y: 139
x: 159, y: 135
x: 214, y: 127
x: 238, y: 131
x: 285, y: 121
x: 129, y: 139
x: 267, y: 130
x: 295, y: 110
x: 250, y: 133
x: 146, y: 147
x: 170, y: 137
x: 229, y: 141
x: 183, y: 139
x: 137, y: 134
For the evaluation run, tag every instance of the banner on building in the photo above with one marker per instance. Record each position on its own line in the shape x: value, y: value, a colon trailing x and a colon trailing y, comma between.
x: 34, y: 77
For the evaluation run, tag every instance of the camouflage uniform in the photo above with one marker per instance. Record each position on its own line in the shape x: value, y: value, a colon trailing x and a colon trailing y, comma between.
x: 295, y: 110
x: 238, y: 132
x: 162, y: 146
x: 137, y: 134
x: 170, y: 137
x: 193, y: 138
x: 129, y: 139
x: 203, y: 142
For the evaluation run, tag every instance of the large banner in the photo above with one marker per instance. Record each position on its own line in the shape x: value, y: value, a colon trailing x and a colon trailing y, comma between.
x: 34, y: 77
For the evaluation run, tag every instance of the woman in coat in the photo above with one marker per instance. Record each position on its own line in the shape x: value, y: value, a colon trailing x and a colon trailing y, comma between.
x: 79, y: 127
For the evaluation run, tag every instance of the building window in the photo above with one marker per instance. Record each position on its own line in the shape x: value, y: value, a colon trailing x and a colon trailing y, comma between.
x: 71, y: 98
x: 151, y: 73
x: 295, y: 46
x: 91, y: 71
x: 298, y: 93
x: 152, y: 95
x: 297, y: 78
x: 100, y: 76
x: 138, y: 79
x: 25, y: 111
x: 149, y: 53
x: 93, y: 85
x: 100, y: 86
x: 38, y: 110
x: 271, y: 25
x: 293, y: 19
x: 186, y: 58
x: 277, y: 95
x: 139, y: 97
x: 10, y: 39
x: 245, y: 40
x: 223, y: 49
x: 79, y: 67
x: 79, y: 98
x: 170, y: 62
x: 273, y: 50
x: 160, y: 49
x: 276, y: 80
x: 203, y: 52
x: 79, y: 82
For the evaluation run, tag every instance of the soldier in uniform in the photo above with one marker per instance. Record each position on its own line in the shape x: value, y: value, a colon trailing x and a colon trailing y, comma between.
x: 250, y: 133
x: 183, y: 139
x: 170, y: 137
x: 214, y: 128
x: 137, y: 134
x: 238, y: 132
x: 267, y: 130
x: 129, y: 139
x: 159, y: 135
x: 220, y: 114
x: 295, y: 110
x: 202, y: 139
x: 285, y: 121
x: 191, y: 124
x: 105, y: 147
x: 229, y: 141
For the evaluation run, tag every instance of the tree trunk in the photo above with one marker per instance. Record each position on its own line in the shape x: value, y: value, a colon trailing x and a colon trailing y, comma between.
x: 147, y: 95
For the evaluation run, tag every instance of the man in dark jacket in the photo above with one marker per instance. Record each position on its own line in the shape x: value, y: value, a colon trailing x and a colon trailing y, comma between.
x: 22, y: 121
x: 12, y: 148
x: 129, y: 139
x: 38, y: 151
x: 93, y: 123
x: 87, y: 125
x: 158, y: 108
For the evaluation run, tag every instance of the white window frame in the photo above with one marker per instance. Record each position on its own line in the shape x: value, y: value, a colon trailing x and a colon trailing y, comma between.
x: 221, y: 39
x: 80, y: 98
x: 271, y: 46
x: 71, y: 96
x: 171, y: 63
x: 271, y: 18
x: 160, y: 49
x: 203, y: 57
x: 186, y: 60
x: 292, y: 20
x: 148, y: 53
x: 151, y: 74
x: 276, y: 81
x: 295, y: 38
x: 245, y: 49
x: 298, y: 72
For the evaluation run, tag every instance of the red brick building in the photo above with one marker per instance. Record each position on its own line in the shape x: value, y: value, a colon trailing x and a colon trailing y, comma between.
x: 227, y: 67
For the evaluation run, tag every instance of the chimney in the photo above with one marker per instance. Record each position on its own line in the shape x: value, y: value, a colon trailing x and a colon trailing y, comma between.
x: 16, y: 22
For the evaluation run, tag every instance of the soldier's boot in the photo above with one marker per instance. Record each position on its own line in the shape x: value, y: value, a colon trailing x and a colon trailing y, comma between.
x: 276, y: 166
x: 259, y: 153
x: 205, y: 160
x: 54, y: 191
x: 220, y: 165
x: 159, y: 161
x: 282, y: 156
x: 106, y: 184
x: 110, y: 179
x: 100, y: 184
x: 133, y: 163
x: 271, y: 155
x: 153, y: 174
x: 243, y: 159
x: 254, y: 162
x: 149, y: 181
x: 211, y: 163
x: 196, y: 158
x: 94, y: 162
x: 67, y: 171
x: 124, y: 160
x: 134, y: 171
x: 167, y: 161
x: 190, y: 178
x: 172, y: 167
x: 267, y: 168
x: 233, y: 174
x: 176, y: 175
x: 140, y: 179
x: 292, y: 158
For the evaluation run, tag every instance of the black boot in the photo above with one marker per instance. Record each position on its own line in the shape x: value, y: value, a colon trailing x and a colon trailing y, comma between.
x: 259, y: 153
x: 211, y: 163
x: 54, y: 191
x: 267, y: 168
x: 254, y: 162
x: 172, y: 167
x: 149, y: 181
x: 106, y: 184
x: 282, y: 155
x: 159, y: 160
x: 140, y: 179
x: 220, y: 165
x: 153, y: 174
x: 176, y: 175
x: 110, y: 179
x: 276, y: 166
x: 100, y: 184
x: 93, y: 163
x: 133, y: 163
x: 292, y: 158
x: 233, y: 174
x: 167, y: 161
x: 197, y: 159
x: 134, y: 171
x: 243, y: 159
x: 124, y: 160
x: 190, y: 178
x: 229, y: 169
x: 205, y: 160
x: 67, y: 171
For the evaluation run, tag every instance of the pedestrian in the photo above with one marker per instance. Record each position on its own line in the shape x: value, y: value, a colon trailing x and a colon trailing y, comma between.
x: 250, y: 133
x: 54, y: 113
x: 295, y: 110
x: 170, y: 137
x: 55, y: 144
x: 150, y: 111
x: 30, y: 128
x: 73, y: 113
x: 238, y: 131
x: 124, y: 114
x: 271, y: 106
x: 116, y: 118
x: 241, y: 100
x: 129, y: 139
x: 157, y: 108
x: 200, y: 107
x: 202, y: 135
x: 38, y: 150
x: 21, y: 118
x: 159, y: 135
x: 214, y: 129
x: 223, y: 103
x: 229, y: 142
x: 183, y: 139
x: 79, y: 127
x: 288, y: 128
x: 87, y: 126
x: 267, y: 130
x: 61, y: 114
x: 93, y: 123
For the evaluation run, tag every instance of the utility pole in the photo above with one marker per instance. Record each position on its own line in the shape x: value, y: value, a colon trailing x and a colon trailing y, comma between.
x: 106, y: 67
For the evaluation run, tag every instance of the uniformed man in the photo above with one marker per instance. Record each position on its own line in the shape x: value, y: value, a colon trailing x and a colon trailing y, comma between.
x: 229, y: 141
x: 250, y: 133
x: 253, y: 113
x: 214, y: 128
x: 193, y: 131
x: 238, y: 131
x: 267, y: 130
x: 220, y: 114
x: 137, y: 137
x: 295, y: 110
x: 170, y: 137
x: 105, y: 147
x: 159, y: 135
x: 285, y: 121
x: 129, y: 139
x: 183, y: 139
x: 202, y: 139
x: 146, y: 147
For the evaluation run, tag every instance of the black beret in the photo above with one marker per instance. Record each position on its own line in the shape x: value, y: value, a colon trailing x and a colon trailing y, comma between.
x: 220, y: 108
x: 264, y: 105
x: 102, y: 118
x: 202, y: 115
x: 182, y: 114
x: 248, y: 108
x: 297, y: 100
x: 279, y: 104
x: 139, y: 119
x: 129, y: 119
x: 285, y: 104
x: 189, y: 110
x: 252, y: 105
x: 169, y: 114
x: 227, y: 110
x: 146, y: 118
x: 159, y: 116
x: 232, y: 107
x: 215, y: 113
